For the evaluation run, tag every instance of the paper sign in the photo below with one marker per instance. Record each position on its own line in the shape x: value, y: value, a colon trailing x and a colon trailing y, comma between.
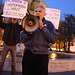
x: 53, y: 15
x: 15, y: 8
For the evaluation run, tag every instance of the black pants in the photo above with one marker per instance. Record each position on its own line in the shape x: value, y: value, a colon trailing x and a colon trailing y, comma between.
x: 34, y: 64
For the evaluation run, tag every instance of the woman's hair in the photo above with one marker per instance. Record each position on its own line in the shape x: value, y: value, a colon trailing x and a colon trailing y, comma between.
x: 40, y: 6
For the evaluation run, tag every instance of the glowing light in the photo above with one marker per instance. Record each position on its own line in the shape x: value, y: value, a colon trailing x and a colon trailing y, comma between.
x: 61, y: 49
x: 8, y: 55
x: 53, y: 56
x: 53, y: 49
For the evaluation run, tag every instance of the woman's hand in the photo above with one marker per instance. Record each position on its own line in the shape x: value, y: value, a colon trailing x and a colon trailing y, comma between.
x: 40, y: 24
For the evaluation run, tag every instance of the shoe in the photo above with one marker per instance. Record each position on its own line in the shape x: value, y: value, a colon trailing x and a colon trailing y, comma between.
x: 0, y: 72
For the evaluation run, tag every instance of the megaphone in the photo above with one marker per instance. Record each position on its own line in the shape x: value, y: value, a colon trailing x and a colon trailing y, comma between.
x: 30, y: 23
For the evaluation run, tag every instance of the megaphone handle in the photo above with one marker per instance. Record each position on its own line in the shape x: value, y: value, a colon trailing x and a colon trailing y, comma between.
x: 28, y: 12
x: 28, y: 33
x: 38, y: 17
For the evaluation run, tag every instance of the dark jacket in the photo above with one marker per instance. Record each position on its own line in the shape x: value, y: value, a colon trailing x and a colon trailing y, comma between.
x: 40, y: 40
x: 7, y: 29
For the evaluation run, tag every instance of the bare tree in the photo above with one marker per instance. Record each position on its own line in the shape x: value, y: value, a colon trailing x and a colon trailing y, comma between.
x: 70, y: 24
x: 1, y: 6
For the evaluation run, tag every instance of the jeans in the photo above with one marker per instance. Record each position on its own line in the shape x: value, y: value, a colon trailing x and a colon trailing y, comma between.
x: 12, y: 50
x: 34, y: 64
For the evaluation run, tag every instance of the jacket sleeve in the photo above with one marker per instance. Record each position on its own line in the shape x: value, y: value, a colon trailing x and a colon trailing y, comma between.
x: 21, y: 28
x: 25, y: 36
x: 49, y: 33
x: 2, y: 25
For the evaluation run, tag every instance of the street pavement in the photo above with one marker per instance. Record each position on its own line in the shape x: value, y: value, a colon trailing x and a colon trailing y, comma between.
x: 58, y: 73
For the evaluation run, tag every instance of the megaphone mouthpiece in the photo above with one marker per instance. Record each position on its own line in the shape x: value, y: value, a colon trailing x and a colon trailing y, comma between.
x: 38, y: 17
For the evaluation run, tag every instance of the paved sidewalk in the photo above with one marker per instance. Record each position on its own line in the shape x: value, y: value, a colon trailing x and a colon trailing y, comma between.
x: 59, y: 73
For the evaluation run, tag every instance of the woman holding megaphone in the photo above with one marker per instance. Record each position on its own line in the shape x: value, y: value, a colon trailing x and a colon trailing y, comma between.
x: 35, y: 58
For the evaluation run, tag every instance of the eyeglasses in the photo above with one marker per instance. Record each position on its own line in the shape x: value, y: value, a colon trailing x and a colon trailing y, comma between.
x: 38, y: 11
x: 14, y: 19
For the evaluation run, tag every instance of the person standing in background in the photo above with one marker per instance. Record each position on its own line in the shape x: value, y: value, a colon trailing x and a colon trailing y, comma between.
x: 11, y: 37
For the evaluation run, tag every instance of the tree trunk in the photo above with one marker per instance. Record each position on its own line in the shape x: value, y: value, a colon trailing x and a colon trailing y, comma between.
x: 64, y: 46
x: 68, y: 45
x: 59, y: 46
